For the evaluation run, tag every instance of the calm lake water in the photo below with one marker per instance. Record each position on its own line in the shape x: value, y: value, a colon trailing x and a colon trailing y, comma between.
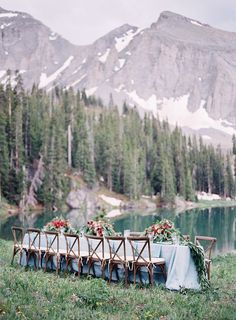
x: 216, y: 222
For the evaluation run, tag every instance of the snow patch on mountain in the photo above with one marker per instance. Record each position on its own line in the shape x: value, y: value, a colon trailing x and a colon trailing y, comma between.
x: 176, y: 111
x: 91, y: 91
x: 76, y: 70
x: 196, y: 23
x: 121, y: 87
x: 8, y: 15
x: 5, y: 25
x: 104, y: 57
x: 123, y: 42
x: 121, y: 62
x: 77, y: 81
x: 53, y: 36
x: 149, y: 105
x: 206, y: 137
x: 2, y: 73
x: 45, y: 80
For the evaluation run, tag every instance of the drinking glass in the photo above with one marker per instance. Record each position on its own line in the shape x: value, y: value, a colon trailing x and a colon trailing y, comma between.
x: 126, y: 233
x: 175, y: 238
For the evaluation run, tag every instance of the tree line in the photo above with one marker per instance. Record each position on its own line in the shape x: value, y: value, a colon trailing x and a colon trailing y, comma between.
x: 46, y: 137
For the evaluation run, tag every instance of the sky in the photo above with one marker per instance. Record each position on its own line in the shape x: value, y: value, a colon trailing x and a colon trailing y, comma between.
x: 84, y: 21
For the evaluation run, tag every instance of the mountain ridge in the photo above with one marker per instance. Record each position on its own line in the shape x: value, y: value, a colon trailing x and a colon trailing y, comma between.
x: 177, y: 65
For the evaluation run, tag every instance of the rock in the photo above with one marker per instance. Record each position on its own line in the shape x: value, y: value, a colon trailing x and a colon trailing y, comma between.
x: 83, y: 199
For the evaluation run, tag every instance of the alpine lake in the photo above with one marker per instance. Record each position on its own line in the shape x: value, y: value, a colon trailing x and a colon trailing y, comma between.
x: 216, y: 222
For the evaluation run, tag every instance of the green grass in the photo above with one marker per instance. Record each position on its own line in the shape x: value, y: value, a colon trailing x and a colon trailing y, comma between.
x: 37, y: 295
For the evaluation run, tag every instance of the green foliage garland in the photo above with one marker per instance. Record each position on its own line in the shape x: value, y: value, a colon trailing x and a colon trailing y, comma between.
x: 199, y: 260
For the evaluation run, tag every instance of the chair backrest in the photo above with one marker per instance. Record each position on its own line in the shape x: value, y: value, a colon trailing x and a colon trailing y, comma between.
x: 95, y: 246
x: 52, y: 241
x: 136, y: 234
x: 208, y: 243
x: 117, y: 248
x: 34, y: 240
x: 141, y: 249
x: 72, y: 244
x: 18, y: 235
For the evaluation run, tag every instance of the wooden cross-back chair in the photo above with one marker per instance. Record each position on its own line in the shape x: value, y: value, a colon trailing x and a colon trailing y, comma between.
x: 18, y: 235
x: 139, y: 245
x: 73, y: 251
x: 210, y: 241
x: 117, y: 251
x: 34, y: 246
x: 96, y: 253
x: 52, y: 249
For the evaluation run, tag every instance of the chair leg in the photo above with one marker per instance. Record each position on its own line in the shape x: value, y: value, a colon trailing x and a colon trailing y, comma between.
x: 35, y: 264
x: 39, y: 259
x: 135, y: 274
x: 20, y: 257
x: 126, y: 276
x: 110, y: 272
x: 117, y: 275
x: 89, y: 266
x: 14, y: 253
x: 46, y: 262
x: 79, y: 267
x: 67, y: 263
x: 209, y: 271
x: 57, y: 267
x: 150, y: 269
x: 28, y: 258
x: 140, y: 275
x: 103, y: 266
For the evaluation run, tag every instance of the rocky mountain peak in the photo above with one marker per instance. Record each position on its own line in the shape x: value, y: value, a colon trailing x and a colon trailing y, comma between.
x: 2, y: 10
x: 171, y: 22
x: 179, y: 68
x: 168, y: 17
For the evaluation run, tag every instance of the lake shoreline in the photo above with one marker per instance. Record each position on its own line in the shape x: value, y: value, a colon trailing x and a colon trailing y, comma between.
x: 146, y: 204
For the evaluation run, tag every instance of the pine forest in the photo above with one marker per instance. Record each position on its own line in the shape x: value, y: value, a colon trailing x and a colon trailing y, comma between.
x: 46, y: 137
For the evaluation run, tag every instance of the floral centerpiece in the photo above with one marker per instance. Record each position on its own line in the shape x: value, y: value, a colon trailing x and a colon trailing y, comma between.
x: 59, y: 225
x: 163, y: 230
x: 98, y: 228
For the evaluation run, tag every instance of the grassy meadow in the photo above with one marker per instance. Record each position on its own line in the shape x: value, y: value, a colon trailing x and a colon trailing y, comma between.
x: 35, y: 295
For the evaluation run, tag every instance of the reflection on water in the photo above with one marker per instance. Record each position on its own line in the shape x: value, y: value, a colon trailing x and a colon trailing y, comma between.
x: 216, y: 222
x: 37, y: 221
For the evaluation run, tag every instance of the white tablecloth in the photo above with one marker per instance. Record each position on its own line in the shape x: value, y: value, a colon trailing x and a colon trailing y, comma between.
x: 180, y: 267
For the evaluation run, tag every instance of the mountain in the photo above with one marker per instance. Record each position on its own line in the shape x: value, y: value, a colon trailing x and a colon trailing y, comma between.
x: 179, y: 68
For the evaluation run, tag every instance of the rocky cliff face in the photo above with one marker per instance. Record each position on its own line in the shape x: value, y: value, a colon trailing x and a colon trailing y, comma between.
x: 178, y: 68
